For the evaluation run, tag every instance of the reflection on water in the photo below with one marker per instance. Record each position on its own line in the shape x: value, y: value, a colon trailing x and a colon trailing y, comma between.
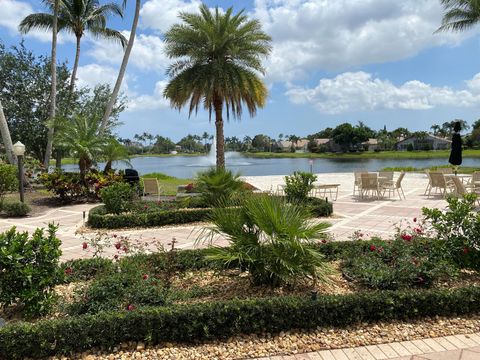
x: 188, y: 166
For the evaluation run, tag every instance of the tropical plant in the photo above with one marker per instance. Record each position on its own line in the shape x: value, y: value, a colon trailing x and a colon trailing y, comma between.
x: 77, y: 17
x: 460, y: 15
x: 8, y: 179
x: 218, y: 60
x: 218, y: 186
x: 114, y: 151
x: 117, y: 197
x: 271, y: 239
x: 123, y: 66
x: 299, y: 185
x: 6, y: 138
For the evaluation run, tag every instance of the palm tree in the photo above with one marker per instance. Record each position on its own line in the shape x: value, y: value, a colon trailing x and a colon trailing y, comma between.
x: 460, y: 15
x: 53, y: 91
x: 114, y: 151
x: 6, y: 138
x: 77, y: 17
x: 123, y: 66
x: 218, y: 63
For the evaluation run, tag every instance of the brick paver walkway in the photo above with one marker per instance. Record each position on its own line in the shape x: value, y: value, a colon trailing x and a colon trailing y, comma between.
x: 456, y: 347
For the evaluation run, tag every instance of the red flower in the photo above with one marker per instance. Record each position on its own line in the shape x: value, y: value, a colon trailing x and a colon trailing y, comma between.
x: 373, y: 248
x: 414, y: 219
x: 130, y: 307
x: 189, y: 187
x: 118, y: 246
x: 84, y: 245
x: 324, y: 241
x: 145, y: 276
x: 466, y: 250
x: 380, y: 249
x: 418, y: 230
x: 125, y: 249
x: 68, y: 271
x: 406, y: 237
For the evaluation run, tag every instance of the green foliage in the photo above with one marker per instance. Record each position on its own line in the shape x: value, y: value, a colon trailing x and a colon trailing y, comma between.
x: 220, y: 320
x: 299, y: 185
x: 219, y: 187
x: 8, y: 179
x: 348, y: 137
x: 70, y: 186
x: 117, y: 197
x: 270, y: 238
x: 459, y: 228
x: 15, y: 209
x: 319, y: 207
x: 29, y: 269
x: 398, y: 264
x: 410, y: 147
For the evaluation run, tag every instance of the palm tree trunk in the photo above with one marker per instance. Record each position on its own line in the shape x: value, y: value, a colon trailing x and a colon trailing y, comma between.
x: 7, y: 140
x: 75, y: 68
x: 218, y: 105
x: 53, y: 91
x: 123, y: 68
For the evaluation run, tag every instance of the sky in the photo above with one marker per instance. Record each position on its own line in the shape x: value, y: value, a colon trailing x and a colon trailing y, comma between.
x: 333, y: 61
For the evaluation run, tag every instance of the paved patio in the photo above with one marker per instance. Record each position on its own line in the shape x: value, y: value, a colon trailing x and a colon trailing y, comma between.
x: 371, y: 217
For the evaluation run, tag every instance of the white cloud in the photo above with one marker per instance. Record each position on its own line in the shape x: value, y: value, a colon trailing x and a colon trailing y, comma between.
x: 150, y: 102
x: 338, y: 35
x: 147, y: 53
x: 360, y: 91
x: 94, y: 74
x: 161, y: 14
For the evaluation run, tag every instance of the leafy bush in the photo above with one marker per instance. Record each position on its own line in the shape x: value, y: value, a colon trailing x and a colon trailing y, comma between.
x: 459, y: 228
x: 29, y: 269
x: 397, y: 264
x: 70, y: 186
x: 117, y: 197
x: 219, y: 187
x: 299, y: 185
x: 15, y: 209
x: 8, y: 179
x: 319, y: 207
x: 220, y: 320
x: 270, y: 238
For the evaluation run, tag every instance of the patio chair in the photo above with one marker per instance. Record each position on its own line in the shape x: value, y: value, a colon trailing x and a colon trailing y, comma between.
x: 438, y: 182
x: 476, y: 181
x: 280, y: 190
x: 461, y: 189
x: 392, y: 186
x: 369, y: 184
x: 387, y: 175
x: 429, y: 185
x: 151, y: 186
x: 357, y: 184
x: 446, y: 170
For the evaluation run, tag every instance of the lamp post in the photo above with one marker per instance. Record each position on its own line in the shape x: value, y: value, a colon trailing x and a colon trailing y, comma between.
x: 19, y: 151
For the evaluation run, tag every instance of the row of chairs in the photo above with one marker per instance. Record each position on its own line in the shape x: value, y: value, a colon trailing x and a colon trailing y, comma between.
x: 377, y: 184
x: 441, y: 182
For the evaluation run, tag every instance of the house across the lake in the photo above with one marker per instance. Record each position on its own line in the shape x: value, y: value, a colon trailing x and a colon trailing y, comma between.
x: 426, y: 142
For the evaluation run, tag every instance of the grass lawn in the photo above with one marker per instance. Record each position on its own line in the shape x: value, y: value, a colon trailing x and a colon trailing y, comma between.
x: 368, y: 155
x: 168, y: 183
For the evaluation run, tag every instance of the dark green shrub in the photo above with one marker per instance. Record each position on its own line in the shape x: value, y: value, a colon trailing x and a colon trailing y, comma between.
x: 219, y: 187
x: 299, y: 185
x: 117, y: 197
x: 15, y: 209
x: 319, y: 207
x: 86, y: 269
x: 458, y: 227
x: 221, y: 320
x: 410, y: 147
x: 29, y: 269
x: 270, y: 238
x: 398, y: 264
x: 8, y: 179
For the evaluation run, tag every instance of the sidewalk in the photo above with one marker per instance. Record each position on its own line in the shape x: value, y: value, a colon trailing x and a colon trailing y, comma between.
x: 455, y: 347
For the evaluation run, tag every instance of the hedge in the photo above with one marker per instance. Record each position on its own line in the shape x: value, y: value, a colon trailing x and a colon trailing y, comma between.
x: 187, y: 323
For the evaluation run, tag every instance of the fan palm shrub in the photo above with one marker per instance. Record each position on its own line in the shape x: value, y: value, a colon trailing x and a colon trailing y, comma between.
x: 218, y: 62
x: 219, y: 187
x: 271, y: 239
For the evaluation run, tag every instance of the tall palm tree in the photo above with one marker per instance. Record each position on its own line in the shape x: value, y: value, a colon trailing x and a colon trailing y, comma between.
x: 53, y: 91
x: 6, y: 138
x: 218, y: 64
x: 460, y: 15
x: 123, y: 66
x: 77, y: 17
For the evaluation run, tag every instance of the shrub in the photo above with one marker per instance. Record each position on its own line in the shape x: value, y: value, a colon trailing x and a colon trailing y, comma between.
x: 29, y: 269
x: 270, y: 238
x: 410, y: 147
x: 15, y: 209
x: 397, y: 264
x: 319, y: 207
x: 8, y: 179
x: 459, y: 228
x: 219, y: 187
x: 299, y: 185
x: 117, y: 197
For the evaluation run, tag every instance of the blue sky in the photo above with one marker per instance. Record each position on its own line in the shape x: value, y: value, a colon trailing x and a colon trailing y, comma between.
x: 375, y: 61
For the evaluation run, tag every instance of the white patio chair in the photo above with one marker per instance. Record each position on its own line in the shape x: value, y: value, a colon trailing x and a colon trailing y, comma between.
x: 394, y: 186
x: 369, y: 184
x: 151, y: 186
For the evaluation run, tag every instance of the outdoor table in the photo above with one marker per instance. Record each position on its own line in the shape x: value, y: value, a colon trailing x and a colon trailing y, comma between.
x: 332, y: 189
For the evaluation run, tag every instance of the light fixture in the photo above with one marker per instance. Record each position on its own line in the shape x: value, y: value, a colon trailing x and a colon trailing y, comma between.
x: 19, y: 149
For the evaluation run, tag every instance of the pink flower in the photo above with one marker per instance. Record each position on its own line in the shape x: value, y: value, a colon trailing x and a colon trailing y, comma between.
x: 421, y: 280
x: 373, y: 248
x: 130, y: 307
x: 418, y: 230
x: 84, y: 245
x: 145, y: 276
x: 406, y: 237
x: 125, y: 249
x: 68, y: 271
x: 466, y: 250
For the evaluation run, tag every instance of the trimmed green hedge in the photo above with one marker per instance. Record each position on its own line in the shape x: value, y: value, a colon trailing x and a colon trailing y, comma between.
x: 98, y: 218
x: 186, y: 323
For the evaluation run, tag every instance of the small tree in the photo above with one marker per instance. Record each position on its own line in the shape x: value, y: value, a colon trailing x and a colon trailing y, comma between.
x: 299, y: 185
x: 8, y: 180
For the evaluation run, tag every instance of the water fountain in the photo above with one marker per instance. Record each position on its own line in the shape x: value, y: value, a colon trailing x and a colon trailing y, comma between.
x: 232, y: 158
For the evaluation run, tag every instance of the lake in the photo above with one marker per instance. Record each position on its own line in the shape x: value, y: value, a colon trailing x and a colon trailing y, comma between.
x: 187, y: 166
